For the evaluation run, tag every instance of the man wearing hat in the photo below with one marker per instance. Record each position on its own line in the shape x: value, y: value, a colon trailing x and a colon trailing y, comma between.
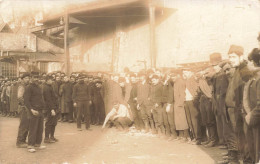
x: 233, y: 102
x: 51, y: 105
x: 34, y: 103
x: 82, y: 100
x: 251, y: 106
x: 65, y: 92
x: 56, y: 86
x: 98, y: 101
x: 143, y: 91
x: 191, y: 110
x: 136, y: 114
x: 23, y: 113
x: 155, y: 98
x: 219, y: 82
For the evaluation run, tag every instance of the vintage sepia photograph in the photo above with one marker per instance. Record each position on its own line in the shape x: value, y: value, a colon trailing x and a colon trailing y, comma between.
x: 129, y: 81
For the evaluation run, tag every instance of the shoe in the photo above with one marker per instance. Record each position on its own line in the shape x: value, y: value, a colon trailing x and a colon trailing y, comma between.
x: 223, y: 162
x: 39, y: 146
x: 206, y: 142
x: 211, y: 144
x: 224, y: 154
x: 226, y: 157
x: 184, y: 140
x: 79, y: 129
x: 21, y: 145
x: 49, y: 140
x: 222, y: 147
x: 70, y: 121
x: 154, y: 131
x: 54, y: 139
x: 31, y: 150
x: 196, y: 142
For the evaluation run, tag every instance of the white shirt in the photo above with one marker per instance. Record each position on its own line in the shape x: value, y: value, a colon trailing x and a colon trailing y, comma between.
x: 121, y: 112
x: 188, y: 97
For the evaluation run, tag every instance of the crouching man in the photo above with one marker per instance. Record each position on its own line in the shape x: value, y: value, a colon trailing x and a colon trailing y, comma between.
x: 118, y: 116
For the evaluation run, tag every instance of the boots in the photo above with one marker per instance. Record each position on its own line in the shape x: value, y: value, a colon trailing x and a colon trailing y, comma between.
x: 147, y: 128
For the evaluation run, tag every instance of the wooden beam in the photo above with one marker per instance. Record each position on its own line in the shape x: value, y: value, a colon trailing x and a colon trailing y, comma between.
x: 66, y: 43
x: 152, y: 34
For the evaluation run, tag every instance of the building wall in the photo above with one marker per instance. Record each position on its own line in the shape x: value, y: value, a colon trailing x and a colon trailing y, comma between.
x: 191, y: 34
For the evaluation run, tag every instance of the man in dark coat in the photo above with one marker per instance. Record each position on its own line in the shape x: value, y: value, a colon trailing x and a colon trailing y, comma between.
x: 251, y: 103
x: 51, y: 106
x: 23, y: 113
x: 233, y: 100
x: 98, y: 101
x: 82, y: 100
x: 33, y: 100
x: 155, y: 98
x: 65, y: 92
x: 73, y: 113
x: 192, y: 112
x: 167, y: 104
x: 136, y: 114
x: 143, y: 92
x: 56, y: 87
x: 206, y: 110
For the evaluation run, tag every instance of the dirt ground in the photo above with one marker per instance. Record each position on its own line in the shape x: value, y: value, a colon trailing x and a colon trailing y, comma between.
x: 97, y: 147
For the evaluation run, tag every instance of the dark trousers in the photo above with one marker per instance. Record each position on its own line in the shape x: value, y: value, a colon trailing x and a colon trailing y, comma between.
x: 249, y: 132
x: 23, y: 126
x: 83, y: 110
x: 194, y: 119
x: 50, y: 124
x: 208, y: 118
x: 168, y: 121
x: 137, y: 117
x: 35, y: 129
x: 99, y: 112
x: 158, y: 119
x: 92, y: 110
x: 71, y: 111
x: 123, y: 122
x: 236, y: 120
x: 229, y: 133
x: 147, y: 116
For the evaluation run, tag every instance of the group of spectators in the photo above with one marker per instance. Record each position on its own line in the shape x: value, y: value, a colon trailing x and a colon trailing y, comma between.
x: 216, y: 106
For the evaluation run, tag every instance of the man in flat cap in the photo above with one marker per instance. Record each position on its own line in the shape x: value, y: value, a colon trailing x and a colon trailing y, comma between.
x: 82, y: 100
x: 34, y: 102
x: 155, y: 98
x: 51, y: 105
x: 23, y: 113
x: 65, y: 92
x: 143, y: 92
x: 98, y: 101
x: 219, y: 83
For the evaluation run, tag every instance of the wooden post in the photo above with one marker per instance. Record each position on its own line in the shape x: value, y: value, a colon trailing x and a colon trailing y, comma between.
x: 66, y: 43
x: 17, y: 67
x: 152, y: 34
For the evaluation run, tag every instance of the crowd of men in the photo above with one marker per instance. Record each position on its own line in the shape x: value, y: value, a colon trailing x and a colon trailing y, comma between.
x: 216, y: 106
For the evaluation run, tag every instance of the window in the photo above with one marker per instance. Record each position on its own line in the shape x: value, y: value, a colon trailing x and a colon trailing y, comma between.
x: 8, y: 70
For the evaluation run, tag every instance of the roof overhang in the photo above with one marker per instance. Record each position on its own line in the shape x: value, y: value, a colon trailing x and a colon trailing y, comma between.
x: 104, y: 16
